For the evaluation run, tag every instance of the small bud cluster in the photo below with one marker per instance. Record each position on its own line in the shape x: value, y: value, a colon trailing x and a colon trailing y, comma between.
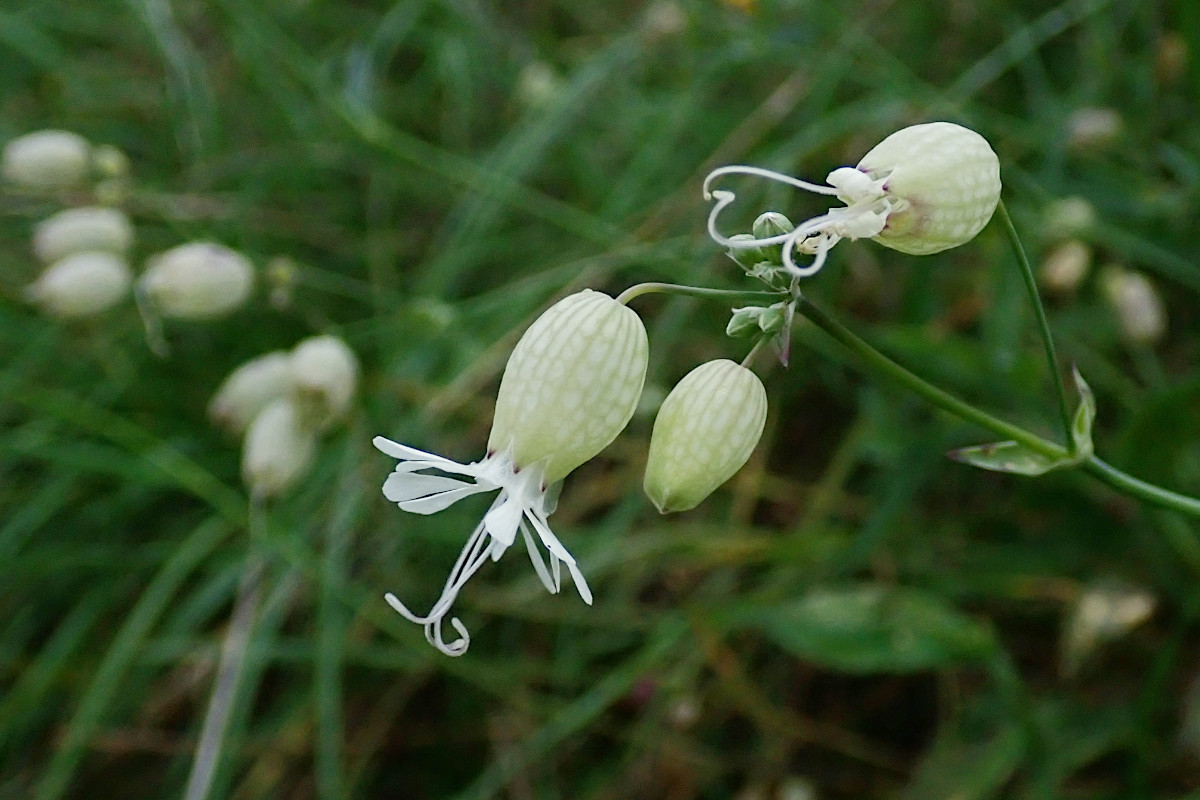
x: 281, y: 402
x: 86, y: 248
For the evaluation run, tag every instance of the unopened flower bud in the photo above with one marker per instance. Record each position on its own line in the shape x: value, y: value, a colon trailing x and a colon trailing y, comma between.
x: 747, y: 257
x: 110, y: 161
x: 47, y: 159
x: 571, y: 384
x: 771, y: 223
x: 744, y: 321
x: 705, y: 431
x: 278, y: 450
x: 946, y: 183
x: 1139, y: 308
x: 198, y: 280
x: 1065, y: 266
x: 78, y: 229
x: 324, y: 377
x: 81, y: 285
x: 249, y: 389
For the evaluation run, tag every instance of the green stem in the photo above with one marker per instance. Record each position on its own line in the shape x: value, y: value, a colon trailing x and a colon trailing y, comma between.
x: 1039, y: 309
x: 696, y: 291
x: 1130, y: 485
x: 882, y: 365
x: 942, y: 399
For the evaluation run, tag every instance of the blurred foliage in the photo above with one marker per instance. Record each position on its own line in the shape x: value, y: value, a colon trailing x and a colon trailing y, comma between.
x: 852, y: 609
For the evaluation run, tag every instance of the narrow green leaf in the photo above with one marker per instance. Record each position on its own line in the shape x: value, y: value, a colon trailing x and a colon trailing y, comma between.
x: 1012, y: 457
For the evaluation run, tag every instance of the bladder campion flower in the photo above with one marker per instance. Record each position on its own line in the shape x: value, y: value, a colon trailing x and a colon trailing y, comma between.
x: 49, y: 159
x: 77, y: 230
x: 249, y: 389
x: 704, y: 433
x: 81, y: 285
x: 924, y: 189
x: 197, y: 280
x: 570, y: 386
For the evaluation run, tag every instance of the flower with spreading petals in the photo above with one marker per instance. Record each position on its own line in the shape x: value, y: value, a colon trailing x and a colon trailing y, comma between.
x: 570, y: 386
x: 923, y: 189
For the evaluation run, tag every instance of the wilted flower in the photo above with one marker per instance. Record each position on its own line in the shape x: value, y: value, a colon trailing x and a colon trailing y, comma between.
x: 47, y: 159
x: 78, y: 229
x: 924, y: 189
x: 81, y: 285
x: 569, y: 388
x: 704, y: 433
x: 324, y: 376
x: 249, y: 389
x: 198, y: 280
x: 1140, y: 310
x: 278, y: 449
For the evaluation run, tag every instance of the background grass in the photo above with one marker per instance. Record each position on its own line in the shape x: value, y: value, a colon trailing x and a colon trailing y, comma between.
x: 852, y: 616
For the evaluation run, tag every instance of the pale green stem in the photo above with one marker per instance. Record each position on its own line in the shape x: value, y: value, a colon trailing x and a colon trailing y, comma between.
x: 882, y: 365
x: 1035, y: 298
x: 696, y: 291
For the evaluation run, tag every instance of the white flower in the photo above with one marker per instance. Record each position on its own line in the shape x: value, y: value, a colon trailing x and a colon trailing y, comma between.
x: 569, y: 388
x: 278, y: 450
x: 81, y: 285
x: 249, y: 389
x: 923, y: 189
x: 324, y: 378
x: 47, y: 159
x: 198, y: 280
x: 1140, y: 310
x: 77, y: 229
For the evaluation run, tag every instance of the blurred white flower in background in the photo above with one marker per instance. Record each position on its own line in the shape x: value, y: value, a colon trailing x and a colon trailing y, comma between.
x: 249, y: 389
x: 49, y: 159
x: 277, y: 451
x: 78, y: 229
x: 81, y: 285
x: 1139, y: 308
x: 324, y: 377
x: 197, y: 280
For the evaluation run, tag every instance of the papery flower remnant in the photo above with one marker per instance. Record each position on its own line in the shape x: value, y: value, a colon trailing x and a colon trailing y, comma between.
x: 923, y: 189
x: 570, y: 386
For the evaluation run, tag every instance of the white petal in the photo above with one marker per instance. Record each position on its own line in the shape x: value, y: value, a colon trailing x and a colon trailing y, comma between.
x: 580, y: 584
x: 437, y: 502
x: 539, y: 564
x: 550, y: 540
x: 404, y: 452
x: 401, y: 486
x: 501, y: 522
x: 557, y: 550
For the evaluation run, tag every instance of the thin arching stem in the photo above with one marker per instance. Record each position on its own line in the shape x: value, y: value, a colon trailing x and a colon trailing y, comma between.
x: 695, y: 291
x: 880, y: 364
x: 1035, y: 298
